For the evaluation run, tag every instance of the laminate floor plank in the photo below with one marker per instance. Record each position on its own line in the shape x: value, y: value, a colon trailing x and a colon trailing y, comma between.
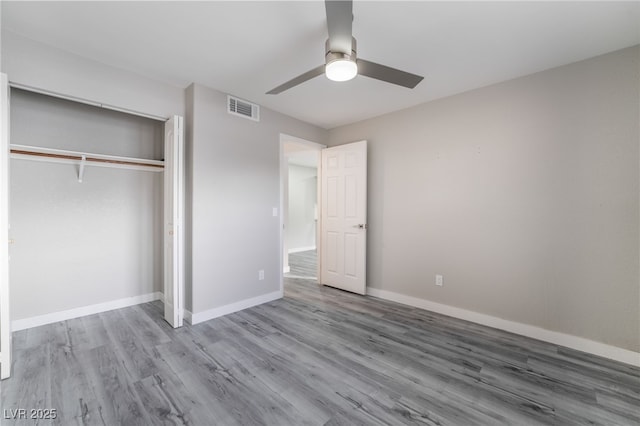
x: 202, y: 393
x: 136, y: 359
x: 250, y: 391
x: 30, y: 386
x: 303, y: 264
x: 585, y: 381
x: 236, y: 398
x: 168, y: 401
x: 619, y: 404
x: 323, y: 370
x: 95, y: 332
x: 78, y: 338
x: 118, y: 401
x: 398, y: 355
x: 319, y: 356
x: 591, y: 362
x: 322, y: 385
x: 148, y: 331
x: 72, y: 395
x: 453, y: 330
x: 372, y: 379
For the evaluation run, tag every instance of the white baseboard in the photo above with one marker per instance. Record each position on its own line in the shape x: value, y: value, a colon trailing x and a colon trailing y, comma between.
x: 25, y: 323
x: 188, y: 316
x: 574, y: 342
x: 5, y: 365
x: 299, y: 249
x: 286, y: 269
x: 233, y: 307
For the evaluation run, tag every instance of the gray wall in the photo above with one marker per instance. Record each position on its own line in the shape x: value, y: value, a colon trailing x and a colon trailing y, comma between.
x: 235, y: 178
x: 524, y: 195
x: 35, y: 64
x: 300, y: 229
x: 80, y: 244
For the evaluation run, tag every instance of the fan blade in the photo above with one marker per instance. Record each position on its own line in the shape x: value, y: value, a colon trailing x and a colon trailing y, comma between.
x: 299, y: 79
x: 339, y: 21
x: 390, y: 75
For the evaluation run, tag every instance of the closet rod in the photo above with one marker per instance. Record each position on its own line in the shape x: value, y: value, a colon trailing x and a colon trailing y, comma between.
x: 33, y: 89
x: 80, y: 158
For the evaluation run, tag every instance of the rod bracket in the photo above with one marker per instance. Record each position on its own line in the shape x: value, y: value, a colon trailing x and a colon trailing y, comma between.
x: 83, y: 161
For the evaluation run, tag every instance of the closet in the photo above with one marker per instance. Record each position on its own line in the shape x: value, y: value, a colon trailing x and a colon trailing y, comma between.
x: 95, y: 204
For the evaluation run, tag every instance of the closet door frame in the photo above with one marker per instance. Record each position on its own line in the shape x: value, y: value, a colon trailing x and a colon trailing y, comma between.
x: 177, y: 170
x: 5, y: 318
x: 173, y: 240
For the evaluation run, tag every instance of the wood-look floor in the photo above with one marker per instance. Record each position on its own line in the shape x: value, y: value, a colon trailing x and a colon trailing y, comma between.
x: 303, y: 264
x: 317, y: 357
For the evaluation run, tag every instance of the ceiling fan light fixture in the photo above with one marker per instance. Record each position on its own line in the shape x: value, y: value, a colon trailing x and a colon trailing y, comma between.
x: 341, y: 70
x: 340, y: 62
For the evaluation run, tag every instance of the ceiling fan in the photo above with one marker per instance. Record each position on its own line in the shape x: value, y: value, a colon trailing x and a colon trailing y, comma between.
x: 341, y: 63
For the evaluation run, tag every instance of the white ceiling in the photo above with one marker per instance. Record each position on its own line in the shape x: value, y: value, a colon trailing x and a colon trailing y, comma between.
x: 247, y: 48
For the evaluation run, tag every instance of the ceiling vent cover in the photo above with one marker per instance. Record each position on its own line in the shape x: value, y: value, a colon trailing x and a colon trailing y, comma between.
x: 242, y: 108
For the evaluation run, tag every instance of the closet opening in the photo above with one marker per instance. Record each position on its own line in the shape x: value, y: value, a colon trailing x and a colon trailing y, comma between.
x: 87, y: 209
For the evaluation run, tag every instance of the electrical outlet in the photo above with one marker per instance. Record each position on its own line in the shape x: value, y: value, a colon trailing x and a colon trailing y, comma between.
x: 439, y: 280
x: 261, y: 274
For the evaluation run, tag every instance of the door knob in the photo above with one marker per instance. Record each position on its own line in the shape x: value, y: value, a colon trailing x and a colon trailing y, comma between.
x: 362, y: 226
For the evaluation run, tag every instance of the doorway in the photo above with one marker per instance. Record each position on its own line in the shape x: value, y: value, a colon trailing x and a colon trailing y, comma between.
x: 300, y: 170
x: 339, y: 213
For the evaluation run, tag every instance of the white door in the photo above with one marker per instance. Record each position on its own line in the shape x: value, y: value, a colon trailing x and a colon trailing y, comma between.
x: 173, y: 221
x: 343, y: 258
x: 5, y: 325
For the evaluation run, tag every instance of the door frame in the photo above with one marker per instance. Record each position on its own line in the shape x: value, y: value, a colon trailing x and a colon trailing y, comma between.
x: 161, y: 119
x: 284, y: 170
x: 173, y: 226
x: 5, y: 317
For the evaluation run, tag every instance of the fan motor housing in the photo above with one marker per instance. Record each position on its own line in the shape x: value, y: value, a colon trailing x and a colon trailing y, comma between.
x: 335, y: 56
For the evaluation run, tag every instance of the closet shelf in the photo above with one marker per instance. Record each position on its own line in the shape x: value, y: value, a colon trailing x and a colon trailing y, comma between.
x: 82, y: 159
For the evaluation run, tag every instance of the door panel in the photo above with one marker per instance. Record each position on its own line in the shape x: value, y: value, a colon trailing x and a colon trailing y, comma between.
x: 173, y: 222
x: 331, y: 261
x: 350, y: 197
x: 344, y: 217
x: 332, y: 197
x: 351, y: 255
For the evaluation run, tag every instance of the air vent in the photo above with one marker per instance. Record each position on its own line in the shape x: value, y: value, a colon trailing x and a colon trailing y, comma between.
x: 242, y: 108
